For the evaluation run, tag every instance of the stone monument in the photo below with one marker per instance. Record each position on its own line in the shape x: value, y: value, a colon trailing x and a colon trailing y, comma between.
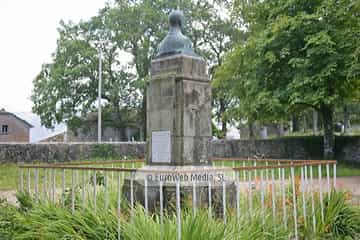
x: 178, y: 103
x: 178, y: 124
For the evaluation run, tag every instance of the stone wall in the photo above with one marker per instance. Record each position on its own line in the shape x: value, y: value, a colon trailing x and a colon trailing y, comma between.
x: 347, y: 149
x: 281, y: 148
x: 49, y: 152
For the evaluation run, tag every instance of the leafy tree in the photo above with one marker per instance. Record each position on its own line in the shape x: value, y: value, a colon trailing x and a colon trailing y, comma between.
x: 66, y: 89
x: 300, y: 54
x: 219, y: 38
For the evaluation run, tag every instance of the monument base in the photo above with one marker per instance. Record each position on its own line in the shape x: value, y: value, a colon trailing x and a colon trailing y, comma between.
x: 188, y: 178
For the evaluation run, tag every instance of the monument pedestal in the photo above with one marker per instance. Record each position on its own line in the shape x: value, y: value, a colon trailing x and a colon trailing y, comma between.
x: 178, y: 128
x: 178, y: 112
x: 187, y: 176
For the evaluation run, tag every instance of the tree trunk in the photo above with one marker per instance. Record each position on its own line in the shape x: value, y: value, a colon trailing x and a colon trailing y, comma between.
x: 224, y: 128
x: 251, y: 130
x: 315, y: 122
x: 304, y: 123
x: 281, y: 129
x: 346, y: 118
x: 143, y: 113
x: 294, y: 124
x: 223, y: 121
x: 329, y: 138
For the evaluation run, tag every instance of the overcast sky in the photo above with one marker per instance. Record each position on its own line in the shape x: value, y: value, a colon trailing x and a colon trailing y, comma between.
x: 28, y: 34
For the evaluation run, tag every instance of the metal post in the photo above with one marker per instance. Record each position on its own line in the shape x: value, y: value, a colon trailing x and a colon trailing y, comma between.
x: 267, y: 171
x: 321, y: 194
x: 312, y: 199
x: 255, y: 171
x: 306, y: 179
x: 273, y: 193
x: 94, y: 182
x: 209, y: 192
x: 334, y: 175
x: 328, y: 179
x: 146, y: 196
x: 279, y: 170
x: 294, y: 202
x: 238, y: 197
x: 119, y: 204
x: 122, y: 172
x: 224, y: 200
x: 244, y: 172
x: 161, y: 207
x: 83, y: 188
x: 72, y: 191
x: 36, y: 184
x: 178, y: 210
x: 63, y: 188
x: 21, y: 180
x: 250, y: 195
x: 28, y: 181
x: 132, y: 196
x: 99, y: 94
x: 283, y: 197
x: 106, y: 190
x: 194, y: 198
x: 112, y: 175
x: 45, y: 184
x: 233, y: 165
x: 262, y: 200
x: 303, y: 194
x: 53, y: 185
x: 161, y: 203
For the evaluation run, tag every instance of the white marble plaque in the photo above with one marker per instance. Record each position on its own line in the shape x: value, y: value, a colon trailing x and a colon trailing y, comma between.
x: 161, y: 147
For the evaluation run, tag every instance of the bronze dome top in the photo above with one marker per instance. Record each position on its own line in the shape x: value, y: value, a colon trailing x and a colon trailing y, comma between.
x: 175, y: 42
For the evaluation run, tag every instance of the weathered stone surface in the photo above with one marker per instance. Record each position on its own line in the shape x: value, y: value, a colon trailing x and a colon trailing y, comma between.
x: 50, y: 152
x: 179, y: 101
x: 186, y: 196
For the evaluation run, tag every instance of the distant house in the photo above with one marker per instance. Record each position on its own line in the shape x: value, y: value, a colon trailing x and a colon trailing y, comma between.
x: 13, y: 128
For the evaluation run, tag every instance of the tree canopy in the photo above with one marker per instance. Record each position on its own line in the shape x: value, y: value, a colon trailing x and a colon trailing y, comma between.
x: 128, y: 32
x: 268, y: 60
x: 299, y: 54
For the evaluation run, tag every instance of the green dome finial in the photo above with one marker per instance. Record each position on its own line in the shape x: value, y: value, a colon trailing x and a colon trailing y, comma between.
x: 175, y: 42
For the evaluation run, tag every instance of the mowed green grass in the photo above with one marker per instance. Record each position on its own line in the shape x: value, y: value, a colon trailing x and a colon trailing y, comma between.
x: 10, y: 174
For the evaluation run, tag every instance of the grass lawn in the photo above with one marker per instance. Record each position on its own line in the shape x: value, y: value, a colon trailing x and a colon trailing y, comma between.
x: 9, y: 174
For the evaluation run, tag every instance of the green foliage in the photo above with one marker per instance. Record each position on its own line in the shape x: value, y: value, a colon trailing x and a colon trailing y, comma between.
x: 66, y: 88
x: 341, y: 220
x: 8, y: 224
x: 25, y: 201
x: 44, y: 220
x: 299, y: 54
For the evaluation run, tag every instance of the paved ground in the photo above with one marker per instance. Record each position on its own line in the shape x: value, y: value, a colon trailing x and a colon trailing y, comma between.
x: 351, y: 184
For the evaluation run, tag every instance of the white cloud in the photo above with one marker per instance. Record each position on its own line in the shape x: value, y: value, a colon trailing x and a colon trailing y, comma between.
x: 28, y: 33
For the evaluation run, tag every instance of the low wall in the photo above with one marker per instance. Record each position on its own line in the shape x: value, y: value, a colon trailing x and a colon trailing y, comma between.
x: 346, y: 148
x: 281, y: 148
x: 49, y: 152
